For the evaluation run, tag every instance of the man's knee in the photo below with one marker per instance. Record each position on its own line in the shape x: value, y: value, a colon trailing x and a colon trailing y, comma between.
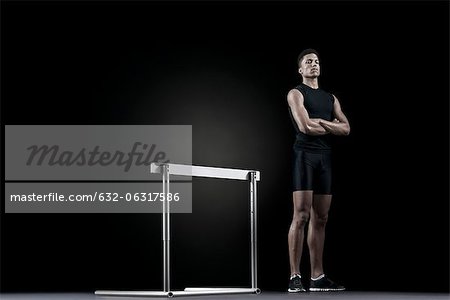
x: 300, y: 218
x: 320, y: 220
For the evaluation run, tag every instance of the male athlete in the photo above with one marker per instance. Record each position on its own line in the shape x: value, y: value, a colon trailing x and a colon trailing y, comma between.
x: 316, y: 115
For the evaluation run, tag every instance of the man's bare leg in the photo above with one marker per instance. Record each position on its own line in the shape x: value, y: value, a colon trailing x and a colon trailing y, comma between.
x: 302, y: 206
x: 316, y: 232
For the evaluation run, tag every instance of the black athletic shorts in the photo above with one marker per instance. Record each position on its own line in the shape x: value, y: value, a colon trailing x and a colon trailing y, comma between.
x: 312, y: 171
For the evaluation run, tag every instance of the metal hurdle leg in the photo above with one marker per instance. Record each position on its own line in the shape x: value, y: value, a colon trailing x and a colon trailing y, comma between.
x: 166, y: 229
x: 253, y: 229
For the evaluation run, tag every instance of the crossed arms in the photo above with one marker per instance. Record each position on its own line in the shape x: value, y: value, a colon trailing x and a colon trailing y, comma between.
x: 313, y: 126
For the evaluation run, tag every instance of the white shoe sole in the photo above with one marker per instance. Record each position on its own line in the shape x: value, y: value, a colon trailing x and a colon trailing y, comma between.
x: 296, y: 290
x: 325, y: 290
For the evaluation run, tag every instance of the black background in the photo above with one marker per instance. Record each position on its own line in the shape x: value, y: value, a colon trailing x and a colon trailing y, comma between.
x: 225, y: 69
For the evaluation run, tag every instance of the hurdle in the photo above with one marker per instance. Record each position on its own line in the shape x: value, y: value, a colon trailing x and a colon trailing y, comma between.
x: 168, y: 169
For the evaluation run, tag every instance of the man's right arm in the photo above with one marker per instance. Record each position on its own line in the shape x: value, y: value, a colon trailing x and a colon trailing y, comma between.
x: 300, y: 114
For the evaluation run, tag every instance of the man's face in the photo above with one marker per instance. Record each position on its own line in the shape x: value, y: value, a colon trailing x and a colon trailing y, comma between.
x: 310, y: 67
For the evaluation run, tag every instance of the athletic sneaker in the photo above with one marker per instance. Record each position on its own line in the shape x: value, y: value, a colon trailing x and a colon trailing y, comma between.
x: 295, y: 284
x: 324, y: 285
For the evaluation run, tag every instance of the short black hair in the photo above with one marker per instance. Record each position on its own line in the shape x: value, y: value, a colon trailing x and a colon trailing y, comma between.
x: 306, y: 52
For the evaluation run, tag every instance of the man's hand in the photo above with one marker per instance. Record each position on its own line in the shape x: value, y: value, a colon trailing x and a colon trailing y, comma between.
x: 335, y: 127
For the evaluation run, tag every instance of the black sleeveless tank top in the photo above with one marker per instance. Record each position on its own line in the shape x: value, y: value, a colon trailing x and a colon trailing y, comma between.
x: 318, y: 104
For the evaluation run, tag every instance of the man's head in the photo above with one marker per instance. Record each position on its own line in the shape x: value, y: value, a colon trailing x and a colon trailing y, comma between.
x: 308, y: 63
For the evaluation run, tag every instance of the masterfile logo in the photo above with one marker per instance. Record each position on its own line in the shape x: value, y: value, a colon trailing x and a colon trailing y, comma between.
x: 93, y: 152
x: 54, y: 155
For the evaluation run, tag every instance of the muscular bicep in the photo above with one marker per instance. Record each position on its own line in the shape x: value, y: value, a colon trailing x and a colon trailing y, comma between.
x: 301, y: 116
x: 344, y: 125
x: 296, y: 100
x: 337, y: 111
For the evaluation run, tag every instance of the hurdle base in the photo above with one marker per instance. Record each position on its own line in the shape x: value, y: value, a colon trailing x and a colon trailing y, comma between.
x: 186, y: 292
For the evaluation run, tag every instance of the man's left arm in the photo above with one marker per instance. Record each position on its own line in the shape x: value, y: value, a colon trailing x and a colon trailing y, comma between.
x: 340, y: 125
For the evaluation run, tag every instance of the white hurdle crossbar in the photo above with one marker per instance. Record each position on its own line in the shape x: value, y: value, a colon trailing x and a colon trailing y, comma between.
x: 168, y: 169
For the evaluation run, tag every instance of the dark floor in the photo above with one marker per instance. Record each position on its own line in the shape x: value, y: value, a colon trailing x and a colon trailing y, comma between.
x: 262, y: 296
